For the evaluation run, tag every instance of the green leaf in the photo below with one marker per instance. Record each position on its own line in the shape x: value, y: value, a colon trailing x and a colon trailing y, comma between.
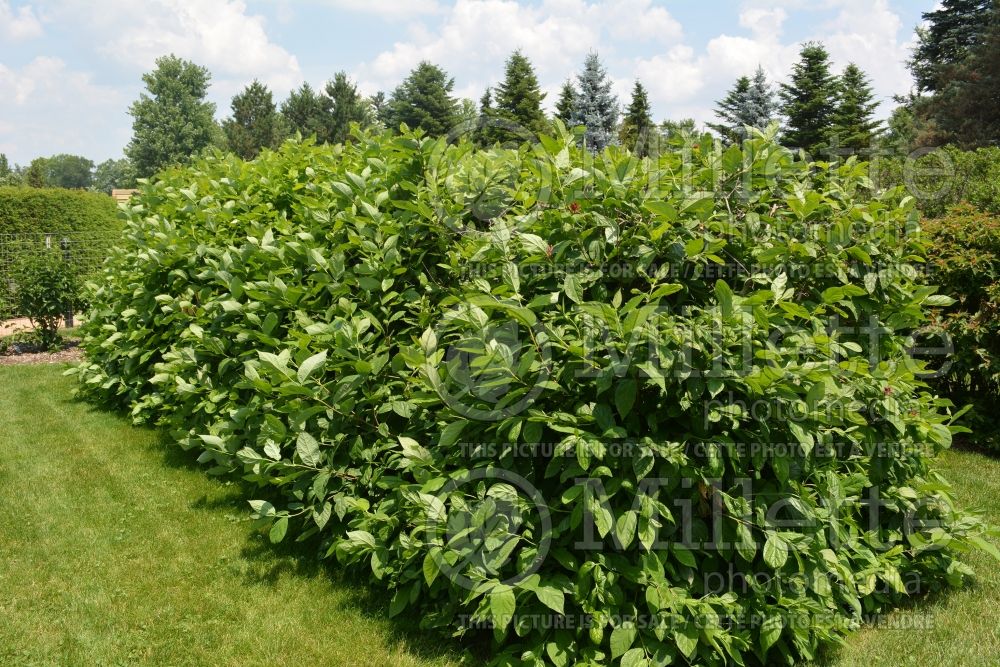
x: 683, y: 555
x: 622, y: 638
x: 625, y: 528
x: 502, y: 605
x: 572, y: 288
x: 307, y: 447
x: 775, y: 550
x: 635, y: 657
x: 625, y: 396
x: 311, y: 365
x: 745, y: 544
x: 725, y: 297
x: 278, y: 530
x: 451, y: 433
x: 770, y: 631
x: 553, y: 598
x: 431, y: 568
x: 686, y: 640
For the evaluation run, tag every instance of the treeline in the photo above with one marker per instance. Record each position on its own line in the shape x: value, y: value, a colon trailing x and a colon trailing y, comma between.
x: 956, y: 68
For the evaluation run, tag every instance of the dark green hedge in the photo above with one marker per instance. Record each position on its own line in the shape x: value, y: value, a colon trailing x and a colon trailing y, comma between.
x: 55, y: 211
x: 966, y: 264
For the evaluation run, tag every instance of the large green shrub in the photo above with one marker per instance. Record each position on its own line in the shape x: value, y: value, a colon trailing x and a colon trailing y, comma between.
x: 55, y: 211
x: 598, y: 406
x: 966, y: 264
x: 941, y: 178
x: 34, y: 220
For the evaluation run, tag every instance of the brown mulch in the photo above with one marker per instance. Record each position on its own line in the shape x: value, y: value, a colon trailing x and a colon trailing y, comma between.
x: 67, y: 355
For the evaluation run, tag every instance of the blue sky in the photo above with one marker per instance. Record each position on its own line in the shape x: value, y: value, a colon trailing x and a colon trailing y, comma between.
x: 70, y: 68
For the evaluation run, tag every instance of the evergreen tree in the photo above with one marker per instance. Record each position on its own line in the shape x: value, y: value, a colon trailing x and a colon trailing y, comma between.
x: 424, y: 101
x: 519, y: 102
x: 171, y: 121
x: 808, y: 100
x: 731, y: 110
x: 255, y: 123
x: 344, y: 105
x: 485, y: 134
x: 377, y: 104
x: 566, y: 103
x: 854, y: 123
x: 637, y: 125
x: 305, y: 112
x: 595, y: 107
x: 966, y: 109
x: 952, y: 32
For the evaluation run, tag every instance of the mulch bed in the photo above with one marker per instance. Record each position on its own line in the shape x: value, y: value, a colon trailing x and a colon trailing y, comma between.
x: 65, y: 356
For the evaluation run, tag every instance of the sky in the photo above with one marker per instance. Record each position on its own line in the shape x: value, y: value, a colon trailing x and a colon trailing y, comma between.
x: 69, y: 69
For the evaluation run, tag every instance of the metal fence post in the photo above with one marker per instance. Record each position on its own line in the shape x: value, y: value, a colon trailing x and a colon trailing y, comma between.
x: 66, y: 258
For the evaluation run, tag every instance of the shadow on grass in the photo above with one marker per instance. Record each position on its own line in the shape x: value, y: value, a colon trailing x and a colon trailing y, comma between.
x: 270, y: 562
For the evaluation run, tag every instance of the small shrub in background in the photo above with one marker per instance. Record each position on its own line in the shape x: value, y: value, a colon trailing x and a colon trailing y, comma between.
x: 45, y: 289
x: 966, y: 264
x: 590, y: 408
x: 944, y: 177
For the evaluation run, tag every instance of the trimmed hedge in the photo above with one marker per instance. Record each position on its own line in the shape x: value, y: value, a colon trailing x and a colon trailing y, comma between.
x: 55, y: 211
x: 966, y: 264
x: 527, y: 389
x: 88, y: 219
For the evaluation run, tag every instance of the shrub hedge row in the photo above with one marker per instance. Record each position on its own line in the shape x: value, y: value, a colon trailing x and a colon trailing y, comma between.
x: 966, y: 264
x: 55, y: 211
x: 592, y: 409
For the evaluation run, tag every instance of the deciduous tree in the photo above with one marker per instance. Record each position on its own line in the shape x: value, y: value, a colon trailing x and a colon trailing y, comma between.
x: 171, y: 121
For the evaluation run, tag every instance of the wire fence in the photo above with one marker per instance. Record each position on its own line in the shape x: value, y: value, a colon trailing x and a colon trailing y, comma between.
x: 83, y: 251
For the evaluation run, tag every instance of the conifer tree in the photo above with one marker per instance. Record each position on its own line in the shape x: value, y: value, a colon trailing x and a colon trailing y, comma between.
x: 519, y: 102
x: 305, y: 113
x: 424, y: 101
x: 566, y: 103
x: 636, y: 130
x: 344, y: 106
x: 953, y: 30
x: 854, y: 123
x: 595, y: 107
x: 255, y: 123
x: 808, y: 100
x: 749, y: 103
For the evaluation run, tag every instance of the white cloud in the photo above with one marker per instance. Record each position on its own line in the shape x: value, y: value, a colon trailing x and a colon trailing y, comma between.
x: 476, y: 36
x: 219, y: 35
x: 58, y: 110
x: 389, y: 9
x: 20, y: 25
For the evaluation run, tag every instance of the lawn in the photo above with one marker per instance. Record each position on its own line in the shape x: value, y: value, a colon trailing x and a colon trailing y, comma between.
x: 117, y: 549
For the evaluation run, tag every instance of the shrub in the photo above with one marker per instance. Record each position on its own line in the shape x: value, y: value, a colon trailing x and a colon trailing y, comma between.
x: 34, y: 219
x: 944, y: 177
x: 966, y: 264
x: 55, y: 211
x: 595, y: 405
x: 45, y: 289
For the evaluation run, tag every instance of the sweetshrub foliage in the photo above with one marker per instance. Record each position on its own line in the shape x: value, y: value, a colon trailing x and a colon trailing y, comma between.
x: 594, y: 409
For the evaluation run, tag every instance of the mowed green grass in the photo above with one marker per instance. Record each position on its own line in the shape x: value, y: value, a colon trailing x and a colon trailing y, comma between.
x: 116, y: 550
x: 957, y: 629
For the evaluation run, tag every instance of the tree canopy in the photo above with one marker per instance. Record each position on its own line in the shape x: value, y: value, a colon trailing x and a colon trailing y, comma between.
x: 171, y: 120
x: 424, y: 101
